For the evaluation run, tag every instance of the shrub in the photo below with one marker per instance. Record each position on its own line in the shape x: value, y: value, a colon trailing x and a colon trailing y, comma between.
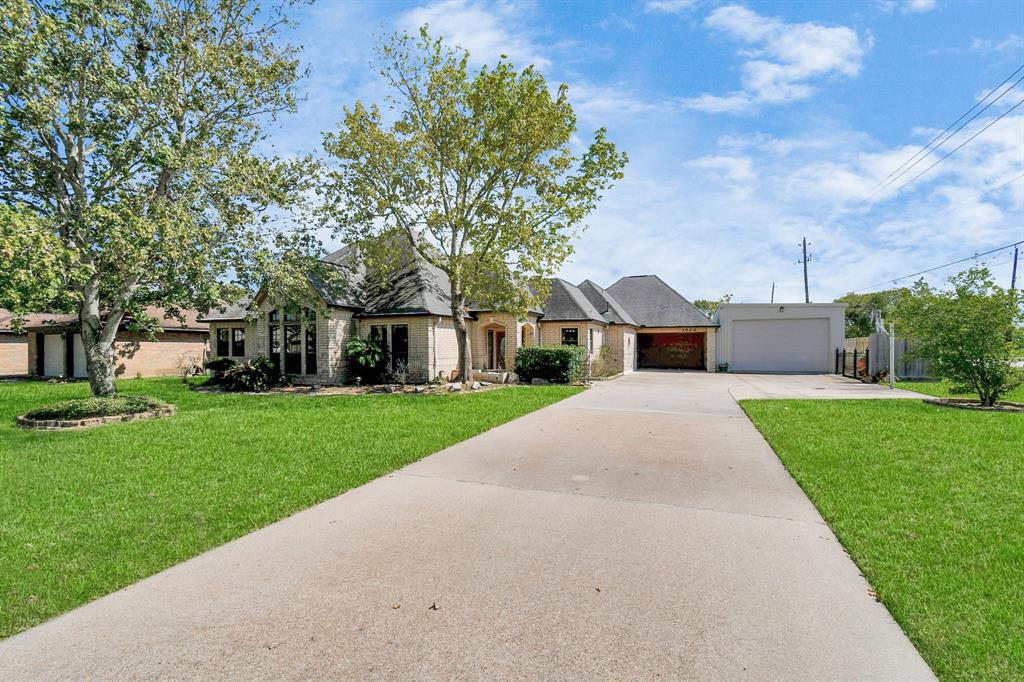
x: 970, y: 332
x: 367, y: 359
x: 218, y: 366
x: 605, y: 364
x: 105, y: 406
x: 557, y: 364
x: 257, y: 375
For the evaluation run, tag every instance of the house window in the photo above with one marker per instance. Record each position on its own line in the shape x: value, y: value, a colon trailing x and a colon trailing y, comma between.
x: 590, y: 340
x: 222, y: 343
x: 570, y: 336
x: 399, y: 345
x: 380, y: 333
x: 238, y: 342
x: 292, y: 348
x: 311, y: 349
x: 275, y: 345
x: 526, y: 335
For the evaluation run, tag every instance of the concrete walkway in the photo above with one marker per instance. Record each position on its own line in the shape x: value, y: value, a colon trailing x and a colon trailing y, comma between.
x: 640, y: 529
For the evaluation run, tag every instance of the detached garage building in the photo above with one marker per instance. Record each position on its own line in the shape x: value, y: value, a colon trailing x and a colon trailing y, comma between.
x: 769, y: 337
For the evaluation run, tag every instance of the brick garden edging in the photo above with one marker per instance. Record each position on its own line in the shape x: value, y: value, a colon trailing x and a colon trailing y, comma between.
x: 971, y: 404
x: 60, y: 424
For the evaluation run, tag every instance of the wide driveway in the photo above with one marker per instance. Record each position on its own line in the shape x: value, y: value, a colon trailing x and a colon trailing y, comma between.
x: 641, y: 529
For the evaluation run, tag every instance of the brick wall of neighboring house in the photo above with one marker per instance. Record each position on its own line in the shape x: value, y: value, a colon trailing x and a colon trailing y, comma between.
x: 14, y: 355
x: 551, y: 334
x: 622, y: 339
x: 420, y: 351
x: 135, y: 354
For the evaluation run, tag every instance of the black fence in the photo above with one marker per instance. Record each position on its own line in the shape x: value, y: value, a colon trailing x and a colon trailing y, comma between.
x: 853, y: 364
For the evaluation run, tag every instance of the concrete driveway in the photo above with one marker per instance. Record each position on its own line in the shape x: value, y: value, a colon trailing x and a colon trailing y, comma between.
x: 641, y: 529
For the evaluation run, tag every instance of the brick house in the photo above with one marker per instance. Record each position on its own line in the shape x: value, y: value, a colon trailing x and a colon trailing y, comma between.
x: 641, y: 319
x: 55, y: 349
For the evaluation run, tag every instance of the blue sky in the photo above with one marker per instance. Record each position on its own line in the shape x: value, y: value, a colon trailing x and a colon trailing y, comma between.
x: 748, y: 126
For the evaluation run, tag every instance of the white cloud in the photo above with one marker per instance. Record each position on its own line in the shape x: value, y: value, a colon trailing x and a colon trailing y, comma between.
x: 670, y: 6
x: 907, y: 6
x: 783, y: 59
x: 1012, y: 43
x: 487, y: 32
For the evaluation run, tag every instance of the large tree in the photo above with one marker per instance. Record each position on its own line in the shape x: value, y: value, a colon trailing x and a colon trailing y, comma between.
x: 971, y: 332
x: 859, y: 309
x: 129, y: 164
x: 476, y: 172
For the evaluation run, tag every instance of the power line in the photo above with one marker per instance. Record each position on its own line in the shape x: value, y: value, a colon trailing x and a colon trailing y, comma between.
x: 939, y: 267
x: 959, y: 146
x: 928, y: 147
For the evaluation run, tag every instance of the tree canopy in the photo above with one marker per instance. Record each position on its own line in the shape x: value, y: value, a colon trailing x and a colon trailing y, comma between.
x: 476, y: 172
x: 859, y: 307
x: 971, y: 332
x: 130, y: 164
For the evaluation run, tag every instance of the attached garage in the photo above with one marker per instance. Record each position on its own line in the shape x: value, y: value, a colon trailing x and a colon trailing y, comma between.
x: 791, y: 338
x: 670, y: 350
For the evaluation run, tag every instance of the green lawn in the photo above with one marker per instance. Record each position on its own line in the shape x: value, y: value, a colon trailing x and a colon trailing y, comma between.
x: 941, y: 389
x: 929, y: 501
x: 84, y: 513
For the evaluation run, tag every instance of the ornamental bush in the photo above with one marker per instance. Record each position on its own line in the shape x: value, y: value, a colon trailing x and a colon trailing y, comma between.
x: 257, y: 375
x: 217, y: 367
x: 557, y: 364
x: 85, y: 408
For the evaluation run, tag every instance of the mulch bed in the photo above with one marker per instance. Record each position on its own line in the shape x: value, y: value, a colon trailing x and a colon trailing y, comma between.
x: 971, y: 404
x: 420, y: 389
x: 62, y: 424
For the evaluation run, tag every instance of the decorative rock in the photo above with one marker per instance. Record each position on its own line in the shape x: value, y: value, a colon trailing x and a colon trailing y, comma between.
x: 421, y: 389
x: 476, y: 386
x: 452, y: 388
x: 540, y: 382
x: 392, y: 388
x: 485, y: 383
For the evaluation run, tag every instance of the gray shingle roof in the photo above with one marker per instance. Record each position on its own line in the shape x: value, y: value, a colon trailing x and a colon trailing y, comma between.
x: 414, y: 287
x: 567, y: 302
x: 228, y: 312
x: 605, y: 304
x: 653, y: 303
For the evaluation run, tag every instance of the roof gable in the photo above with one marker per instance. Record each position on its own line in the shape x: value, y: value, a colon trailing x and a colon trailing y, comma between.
x: 567, y: 302
x: 605, y: 304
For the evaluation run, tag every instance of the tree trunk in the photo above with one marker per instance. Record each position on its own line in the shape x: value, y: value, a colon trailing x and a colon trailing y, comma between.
x: 98, y: 341
x: 99, y: 363
x: 461, y: 336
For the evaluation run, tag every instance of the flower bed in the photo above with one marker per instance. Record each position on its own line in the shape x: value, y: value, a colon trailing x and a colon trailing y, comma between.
x: 73, y: 414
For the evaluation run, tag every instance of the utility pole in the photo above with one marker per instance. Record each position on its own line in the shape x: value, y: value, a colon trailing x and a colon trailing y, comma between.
x: 773, y: 292
x: 806, y: 258
x: 1013, y: 277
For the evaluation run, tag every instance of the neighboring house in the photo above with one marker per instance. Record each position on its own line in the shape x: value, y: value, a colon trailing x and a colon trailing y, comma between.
x: 14, y: 345
x: 55, y: 349
x: 643, y: 320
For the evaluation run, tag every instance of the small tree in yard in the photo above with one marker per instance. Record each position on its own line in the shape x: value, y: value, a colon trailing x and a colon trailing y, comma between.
x: 129, y: 175
x: 970, y: 332
x: 476, y: 175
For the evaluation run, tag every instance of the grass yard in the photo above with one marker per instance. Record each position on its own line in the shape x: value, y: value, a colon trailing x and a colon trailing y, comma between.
x: 929, y: 501
x: 941, y: 389
x: 84, y: 513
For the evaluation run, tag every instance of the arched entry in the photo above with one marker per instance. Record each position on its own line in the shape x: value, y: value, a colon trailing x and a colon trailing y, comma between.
x: 495, y: 344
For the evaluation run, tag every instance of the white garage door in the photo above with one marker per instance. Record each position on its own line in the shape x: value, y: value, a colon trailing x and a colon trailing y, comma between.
x: 781, y: 345
x: 53, y: 355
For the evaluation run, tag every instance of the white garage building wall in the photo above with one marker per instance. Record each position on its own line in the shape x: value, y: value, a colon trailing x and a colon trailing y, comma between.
x: 771, y: 337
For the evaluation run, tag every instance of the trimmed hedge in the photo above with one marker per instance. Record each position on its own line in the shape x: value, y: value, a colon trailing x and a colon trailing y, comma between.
x: 557, y: 364
x: 85, y: 408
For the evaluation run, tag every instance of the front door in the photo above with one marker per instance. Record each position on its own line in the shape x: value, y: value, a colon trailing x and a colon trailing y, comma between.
x: 496, y: 348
